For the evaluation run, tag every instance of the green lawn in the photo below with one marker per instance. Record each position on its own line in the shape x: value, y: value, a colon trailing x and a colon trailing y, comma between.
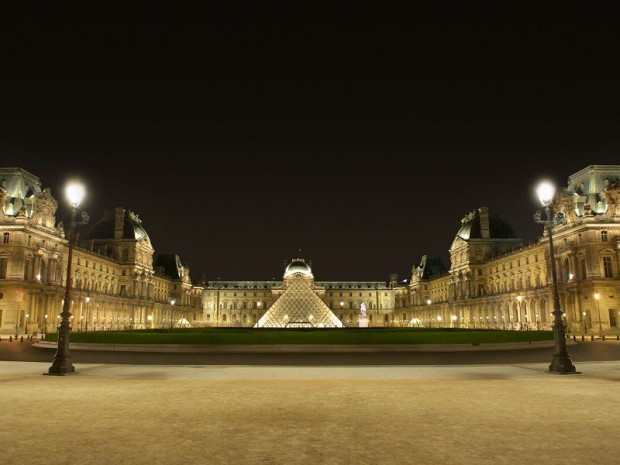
x: 297, y: 336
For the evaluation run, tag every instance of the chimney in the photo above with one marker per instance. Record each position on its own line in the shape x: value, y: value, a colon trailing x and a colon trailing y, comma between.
x: 393, y: 280
x: 119, y: 223
x: 485, y: 230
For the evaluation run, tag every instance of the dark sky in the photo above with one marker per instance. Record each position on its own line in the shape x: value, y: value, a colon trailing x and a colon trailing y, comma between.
x: 361, y: 135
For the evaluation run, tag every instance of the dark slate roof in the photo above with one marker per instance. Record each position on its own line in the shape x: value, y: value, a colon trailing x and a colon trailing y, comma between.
x: 431, y: 265
x: 170, y: 264
x: 499, y: 229
x: 104, y: 228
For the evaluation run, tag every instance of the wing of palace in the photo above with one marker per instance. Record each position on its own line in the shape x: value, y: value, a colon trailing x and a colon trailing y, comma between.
x: 494, y: 280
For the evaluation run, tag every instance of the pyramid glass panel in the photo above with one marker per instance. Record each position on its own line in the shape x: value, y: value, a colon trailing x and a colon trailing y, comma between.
x: 299, y: 307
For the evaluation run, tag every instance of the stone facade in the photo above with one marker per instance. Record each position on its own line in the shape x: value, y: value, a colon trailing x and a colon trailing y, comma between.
x: 496, y: 282
x: 493, y: 281
x: 116, y: 284
x: 243, y: 303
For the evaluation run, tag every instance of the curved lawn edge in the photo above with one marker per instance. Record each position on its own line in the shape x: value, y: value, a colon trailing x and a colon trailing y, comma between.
x: 331, y: 337
x: 299, y: 348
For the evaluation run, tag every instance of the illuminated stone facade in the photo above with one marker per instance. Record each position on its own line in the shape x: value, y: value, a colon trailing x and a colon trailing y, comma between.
x: 116, y: 283
x: 496, y: 282
x: 493, y: 281
x: 243, y: 303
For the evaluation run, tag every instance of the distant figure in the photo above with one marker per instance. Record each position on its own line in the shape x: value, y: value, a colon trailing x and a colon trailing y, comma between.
x: 363, y: 309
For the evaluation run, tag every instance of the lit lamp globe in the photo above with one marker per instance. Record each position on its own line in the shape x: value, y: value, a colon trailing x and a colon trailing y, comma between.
x: 545, y: 192
x: 75, y: 193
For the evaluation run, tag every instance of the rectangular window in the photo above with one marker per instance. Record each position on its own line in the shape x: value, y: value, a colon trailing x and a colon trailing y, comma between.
x: 607, y: 267
x: 3, y: 266
x: 27, y: 269
x: 5, y: 238
x: 612, y: 318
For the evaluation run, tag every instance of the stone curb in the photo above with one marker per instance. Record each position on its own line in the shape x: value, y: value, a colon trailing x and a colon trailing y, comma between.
x: 300, y: 348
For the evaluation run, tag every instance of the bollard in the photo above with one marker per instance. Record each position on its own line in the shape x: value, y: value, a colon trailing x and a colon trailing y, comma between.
x: 10, y: 338
x: 603, y: 337
x: 574, y: 338
x: 592, y: 337
x: 583, y: 338
x: 618, y: 337
x: 21, y: 339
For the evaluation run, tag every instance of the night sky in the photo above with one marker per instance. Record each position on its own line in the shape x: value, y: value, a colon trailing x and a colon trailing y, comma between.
x: 361, y: 135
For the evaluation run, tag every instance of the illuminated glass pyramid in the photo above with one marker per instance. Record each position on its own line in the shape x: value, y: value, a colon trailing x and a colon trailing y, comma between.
x: 299, y: 307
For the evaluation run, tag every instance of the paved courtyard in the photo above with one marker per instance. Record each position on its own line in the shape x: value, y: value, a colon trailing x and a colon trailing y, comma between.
x: 157, y: 414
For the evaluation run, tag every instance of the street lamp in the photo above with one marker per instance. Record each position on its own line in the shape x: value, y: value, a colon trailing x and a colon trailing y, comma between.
x: 27, y: 322
x: 172, y: 302
x: 150, y: 320
x: 597, y: 296
x: 61, y: 364
x: 520, y: 317
x: 560, y: 362
x: 585, y: 323
x: 45, y: 329
x: 87, y: 311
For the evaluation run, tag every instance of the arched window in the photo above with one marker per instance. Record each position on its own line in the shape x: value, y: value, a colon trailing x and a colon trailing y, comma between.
x: 566, y: 270
x: 584, y: 270
x: 224, y: 318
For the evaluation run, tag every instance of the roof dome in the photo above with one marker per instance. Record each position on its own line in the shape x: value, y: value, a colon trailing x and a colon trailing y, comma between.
x: 472, y: 229
x: 131, y: 226
x: 297, y: 265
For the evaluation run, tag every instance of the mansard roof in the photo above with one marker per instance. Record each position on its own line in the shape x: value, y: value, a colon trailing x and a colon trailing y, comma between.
x: 471, y: 228
x: 430, y: 266
x: 170, y: 264
x: 104, y: 228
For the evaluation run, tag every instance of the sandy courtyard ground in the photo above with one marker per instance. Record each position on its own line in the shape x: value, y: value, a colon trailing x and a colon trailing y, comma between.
x: 482, y: 414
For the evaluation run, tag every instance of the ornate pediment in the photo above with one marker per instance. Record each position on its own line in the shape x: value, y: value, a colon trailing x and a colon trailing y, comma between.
x: 44, y: 209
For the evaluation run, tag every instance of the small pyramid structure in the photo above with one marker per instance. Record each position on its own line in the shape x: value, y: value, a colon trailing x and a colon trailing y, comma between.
x: 299, y: 307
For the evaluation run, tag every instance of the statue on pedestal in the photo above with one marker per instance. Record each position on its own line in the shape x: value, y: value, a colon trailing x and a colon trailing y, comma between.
x: 363, y: 320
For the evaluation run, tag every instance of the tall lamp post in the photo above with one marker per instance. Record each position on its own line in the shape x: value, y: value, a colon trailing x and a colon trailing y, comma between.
x: 172, y: 302
x: 597, y: 296
x: 87, y: 311
x: 560, y: 362
x: 520, y: 317
x: 429, y: 302
x: 585, y: 325
x: 61, y: 364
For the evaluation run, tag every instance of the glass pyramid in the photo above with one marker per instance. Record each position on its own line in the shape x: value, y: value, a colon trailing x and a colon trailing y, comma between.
x: 299, y: 307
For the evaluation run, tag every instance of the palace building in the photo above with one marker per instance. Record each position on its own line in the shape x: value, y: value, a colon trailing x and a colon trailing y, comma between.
x: 116, y: 282
x: 493, y: 280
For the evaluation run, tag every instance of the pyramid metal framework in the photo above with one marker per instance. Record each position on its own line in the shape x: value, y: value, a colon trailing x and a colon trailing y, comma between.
x: 299, y: 307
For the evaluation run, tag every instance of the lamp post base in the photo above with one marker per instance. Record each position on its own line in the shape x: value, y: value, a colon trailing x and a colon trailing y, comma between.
x: 60, y: 368
x: 562, y: 365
